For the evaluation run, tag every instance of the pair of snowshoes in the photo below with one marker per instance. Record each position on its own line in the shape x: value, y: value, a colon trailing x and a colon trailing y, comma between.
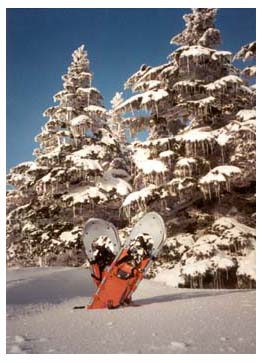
x: 117, y: 271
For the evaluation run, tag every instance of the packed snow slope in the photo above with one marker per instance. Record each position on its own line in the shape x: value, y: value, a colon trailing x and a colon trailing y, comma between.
x: 41, y: 319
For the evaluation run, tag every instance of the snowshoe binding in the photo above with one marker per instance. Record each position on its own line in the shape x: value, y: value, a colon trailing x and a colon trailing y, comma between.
x: 102, y: 244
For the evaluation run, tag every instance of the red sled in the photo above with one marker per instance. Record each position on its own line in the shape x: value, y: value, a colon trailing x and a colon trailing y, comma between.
x: 118, y: 280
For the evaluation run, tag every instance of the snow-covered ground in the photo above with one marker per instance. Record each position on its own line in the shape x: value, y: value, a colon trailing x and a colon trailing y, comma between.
x: 40, y: 318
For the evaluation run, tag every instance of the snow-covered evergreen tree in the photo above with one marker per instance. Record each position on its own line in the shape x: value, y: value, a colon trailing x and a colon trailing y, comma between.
x: 200, y: 153
x: 116, y: 123
x: 79, y: 172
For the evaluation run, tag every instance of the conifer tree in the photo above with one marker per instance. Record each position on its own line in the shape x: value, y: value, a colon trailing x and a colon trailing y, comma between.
x: 79, y: 172
x: 200, y: 153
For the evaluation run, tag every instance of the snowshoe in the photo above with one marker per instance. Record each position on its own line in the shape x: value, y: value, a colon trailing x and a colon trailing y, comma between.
x: 102, y: 244
x: 152, y: 228
x: 128, y: 269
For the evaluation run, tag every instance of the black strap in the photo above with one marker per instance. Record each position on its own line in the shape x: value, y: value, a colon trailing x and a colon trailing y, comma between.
x: 126, y: 258
x: 97, y: 278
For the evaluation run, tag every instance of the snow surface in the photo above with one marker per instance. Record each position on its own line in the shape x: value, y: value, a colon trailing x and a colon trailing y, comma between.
x: 88, y: 150
x: 95, y: 109
x: 41, y: 319
x: 149, y: 166
x: 223, y: 82
x: 204, y: 101
x: 230, y: 231
x: 80, y: 120
x: 86, y: 164
x: 249, y: 71
x: 152, y: 166
x: 128, y: 102
x: 88, y: 90
x: 195, y: 135
x: 153, y: 72
x: 247, y: 265
x: 108, y: 183
x: 222, y: 261
x: 150, y: 143
x: 166, y: 154
x: 245, y: 115
x: 69, y: 236
x: 136, y: 196
x: 227, y: 170
x: 23, y: 166
x: 154, y: 96
x: 196, y: 51
x: 143, y: 99
x: 195, y: 268
x: 170, y: 277
x: 186, y: 162
x: 107, y: 139
x: 146, y: 85
x: 223, y: 139
x: 219, y: 174
x: 222, y: 53
x: 83, y: 194
x: 140, y: 155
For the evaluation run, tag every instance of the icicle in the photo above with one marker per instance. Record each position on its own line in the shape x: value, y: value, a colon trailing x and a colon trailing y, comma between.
x: 203, y: 146
x: 156, y: 107
x: 40, y: 261
x: 222, y: 154
x: 132, y: 110
x: 219, y: 279
x: 209, y: 192
x: 186, y: 147
x: 227, y: 185
x: 219, y: 196
x: 188, y: 67
x: 192, y: 169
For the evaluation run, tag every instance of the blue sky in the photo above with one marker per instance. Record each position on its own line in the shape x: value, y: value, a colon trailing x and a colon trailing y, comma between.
x: 40, y: 43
